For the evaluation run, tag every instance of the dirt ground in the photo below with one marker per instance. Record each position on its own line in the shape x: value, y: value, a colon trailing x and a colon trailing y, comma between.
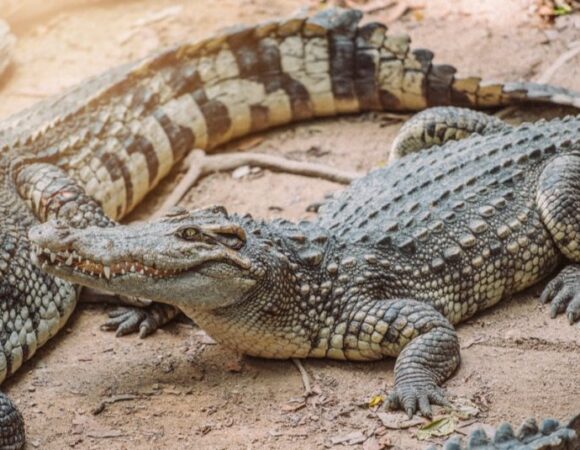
x: 177, y: 389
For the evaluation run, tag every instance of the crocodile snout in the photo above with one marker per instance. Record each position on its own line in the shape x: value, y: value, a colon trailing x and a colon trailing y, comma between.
x: 53, y: 234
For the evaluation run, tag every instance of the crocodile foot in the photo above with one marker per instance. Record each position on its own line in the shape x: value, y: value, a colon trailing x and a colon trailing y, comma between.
x: 12, y: 435
x: 411, y: 397
x: 130, y: 319
x: 549, y: 436
x: 563, y: 292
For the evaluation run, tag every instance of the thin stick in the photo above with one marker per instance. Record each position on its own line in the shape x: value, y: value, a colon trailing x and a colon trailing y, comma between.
x: 201, y: 164
x: 549, y: 73
x: 305, y: 377
x: 224, y: 162
x: 195, y: 160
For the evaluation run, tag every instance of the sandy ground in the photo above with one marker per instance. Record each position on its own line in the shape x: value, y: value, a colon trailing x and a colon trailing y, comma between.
x: 177, y: 389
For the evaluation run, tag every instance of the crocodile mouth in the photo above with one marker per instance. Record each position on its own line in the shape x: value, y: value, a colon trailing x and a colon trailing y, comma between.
x: 70, y: 260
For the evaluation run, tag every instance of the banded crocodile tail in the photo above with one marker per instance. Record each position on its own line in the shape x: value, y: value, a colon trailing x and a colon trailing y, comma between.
x: 121, y: 132
x: 478, y: 94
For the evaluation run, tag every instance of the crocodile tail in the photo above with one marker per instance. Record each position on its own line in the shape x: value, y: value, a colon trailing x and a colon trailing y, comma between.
x: 472, y: 92
x: 121, y: 132
x: 408, y: 80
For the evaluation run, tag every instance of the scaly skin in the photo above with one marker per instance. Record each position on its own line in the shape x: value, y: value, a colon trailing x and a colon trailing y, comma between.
x: 385, y: 270
x: 549, y: 436
x: 89, y: 156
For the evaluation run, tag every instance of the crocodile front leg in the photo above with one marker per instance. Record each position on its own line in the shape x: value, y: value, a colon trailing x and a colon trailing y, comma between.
x: 145, y: 320
x: 424, y: 340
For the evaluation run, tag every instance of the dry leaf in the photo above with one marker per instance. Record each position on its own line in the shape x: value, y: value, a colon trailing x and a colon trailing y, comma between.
x: 443, y: 426
x: 376, y: 400
x: 356, y: 437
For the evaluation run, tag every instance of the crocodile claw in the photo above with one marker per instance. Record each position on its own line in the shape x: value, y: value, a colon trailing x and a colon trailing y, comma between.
x: 126, y: 320
x: 412, y: 398
x: 563, y: 293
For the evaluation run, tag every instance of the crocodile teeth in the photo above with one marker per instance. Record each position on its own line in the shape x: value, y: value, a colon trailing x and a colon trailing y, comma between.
x: 107, y: 272
x: 69, y: 260
x: 52, y: 257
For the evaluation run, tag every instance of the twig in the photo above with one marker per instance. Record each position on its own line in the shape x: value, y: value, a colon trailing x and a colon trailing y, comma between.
x: 397, y: 12
x: 201, y: 164
x: 113, y: 399
x: 547, y: 74
x: 372, y: 7
x: 305, y: 377
x: 195, y: 162
x: 506, y: 112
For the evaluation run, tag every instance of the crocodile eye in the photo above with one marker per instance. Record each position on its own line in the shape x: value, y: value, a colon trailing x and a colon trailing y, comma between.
x: 189, y: 233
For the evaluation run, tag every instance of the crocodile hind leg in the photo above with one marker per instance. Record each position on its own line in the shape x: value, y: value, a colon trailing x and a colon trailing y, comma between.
x: 558, y: 199
x: 424, y: 340
x: 436, y: 126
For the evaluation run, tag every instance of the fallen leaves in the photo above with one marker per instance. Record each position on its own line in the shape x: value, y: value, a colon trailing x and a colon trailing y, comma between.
x: 443, y: 426
x: 353, y: 438
x: 376, y: 400
x: 548, y: 10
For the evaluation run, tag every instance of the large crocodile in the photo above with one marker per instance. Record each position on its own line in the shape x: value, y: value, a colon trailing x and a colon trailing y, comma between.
x: 387, y: 267
x: 89, y: 156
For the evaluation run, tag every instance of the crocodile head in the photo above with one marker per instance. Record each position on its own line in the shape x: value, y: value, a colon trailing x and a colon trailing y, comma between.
x: 202, y: 257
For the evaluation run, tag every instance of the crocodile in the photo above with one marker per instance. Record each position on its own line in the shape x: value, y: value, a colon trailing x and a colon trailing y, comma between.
x: 387, y: 267
x: 549, y: 435
x: 88, y: 156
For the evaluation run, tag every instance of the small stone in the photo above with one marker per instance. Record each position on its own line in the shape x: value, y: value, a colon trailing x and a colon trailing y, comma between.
x: 241, y: 172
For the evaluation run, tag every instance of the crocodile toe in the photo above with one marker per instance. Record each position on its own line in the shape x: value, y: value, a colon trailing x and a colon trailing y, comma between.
x: 563, y: 294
